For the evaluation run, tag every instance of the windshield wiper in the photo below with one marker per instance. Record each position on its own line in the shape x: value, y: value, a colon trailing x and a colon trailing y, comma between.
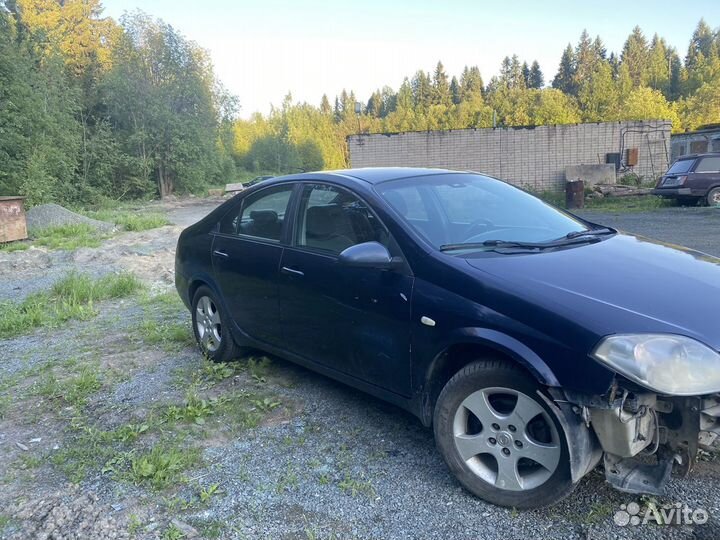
x: 501, y: 244
x: 591, y: 232
x: 495, y: 244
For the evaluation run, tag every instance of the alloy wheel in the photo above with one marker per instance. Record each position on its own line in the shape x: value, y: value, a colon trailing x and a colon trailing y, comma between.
x: 208, y: 324
x: 506, y: 438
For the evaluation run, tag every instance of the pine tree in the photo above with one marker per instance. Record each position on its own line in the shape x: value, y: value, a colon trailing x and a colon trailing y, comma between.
x: 536, y: 79
x: 635, y: 56
x: 658, y: 65
x: 441, y: 87
x: 565, y: 78
x: 701, y: 43
x: 471, y: 85
x: 455, y: 91
x: 525, y: 74
x: 325, y: 105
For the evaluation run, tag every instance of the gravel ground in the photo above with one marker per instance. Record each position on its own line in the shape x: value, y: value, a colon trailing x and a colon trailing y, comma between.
x: 693, y: 227
x: 330, y: 462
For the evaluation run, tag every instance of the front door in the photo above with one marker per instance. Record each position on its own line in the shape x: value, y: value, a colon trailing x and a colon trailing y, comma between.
x: 246, y: 256
x: 353, y: 320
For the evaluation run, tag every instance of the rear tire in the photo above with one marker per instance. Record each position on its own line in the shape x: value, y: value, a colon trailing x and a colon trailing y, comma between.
x: 211, y: 327
x: 713, y: 197
x: 500, y: 439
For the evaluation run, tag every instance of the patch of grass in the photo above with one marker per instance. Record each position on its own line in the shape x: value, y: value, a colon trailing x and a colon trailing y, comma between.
x: 640, y: 203
x: 68, y: 237
x: 357, y: 487
x: 599, y: 511
x: 172, y: 533
x: 9, y: 247
x: 162, y: 465
x: 74, y: 389
x: 70, y: 298
x: 208, y: 493
x: 170, y: 336
x: 195, y: 409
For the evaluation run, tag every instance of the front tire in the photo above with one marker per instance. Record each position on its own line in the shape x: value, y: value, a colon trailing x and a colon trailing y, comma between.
x: 500, y: 439
x: 211, y: 327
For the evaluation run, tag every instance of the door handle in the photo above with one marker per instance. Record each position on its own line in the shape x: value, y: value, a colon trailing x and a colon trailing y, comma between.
x: 219, y: 253
x: 292, y: 271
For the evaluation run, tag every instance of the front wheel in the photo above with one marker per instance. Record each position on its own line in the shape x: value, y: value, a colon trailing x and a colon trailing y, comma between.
x: 499, y: 438
x: 211, y: 327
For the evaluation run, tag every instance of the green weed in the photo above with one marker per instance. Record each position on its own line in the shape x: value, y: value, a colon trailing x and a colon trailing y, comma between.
x: 72, y: 297
x: 162, y: 466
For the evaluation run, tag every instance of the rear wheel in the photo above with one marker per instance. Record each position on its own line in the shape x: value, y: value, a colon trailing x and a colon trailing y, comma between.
x: 500, y: 439
x: 211, y: 327
x: 713, y: 197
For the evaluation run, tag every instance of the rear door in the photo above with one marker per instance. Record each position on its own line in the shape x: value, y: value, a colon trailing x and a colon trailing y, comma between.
x: 246, y: 253
x: 706, y: 174
x: 353, y: 320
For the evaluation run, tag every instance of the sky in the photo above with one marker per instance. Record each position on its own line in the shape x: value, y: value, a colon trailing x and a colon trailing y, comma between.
x: 264, y: 49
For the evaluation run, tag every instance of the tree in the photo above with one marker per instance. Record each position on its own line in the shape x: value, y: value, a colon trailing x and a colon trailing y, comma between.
x: 702, y: 45
x: 536, y: 79
x: 39, y: 142
x: 441, y: 87
x: 598, y: 95
x: 471, y: 85
x: 647, y: 104
x: 658, y: 65
x: 551, y: 106
x: 455, y: 95
x: 325, y: 105
x: 565, y: 78
x: 635, y: 57
x: 525, y: 69
x: 160, y: 98
x: 703, y: 107
x: 72, y: 28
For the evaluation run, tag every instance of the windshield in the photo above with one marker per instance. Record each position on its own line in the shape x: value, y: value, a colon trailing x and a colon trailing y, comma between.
x: 463, y: 208
x: 681, y: 166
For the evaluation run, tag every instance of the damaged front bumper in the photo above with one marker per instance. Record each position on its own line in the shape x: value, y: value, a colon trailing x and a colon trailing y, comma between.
x: 644, y: 436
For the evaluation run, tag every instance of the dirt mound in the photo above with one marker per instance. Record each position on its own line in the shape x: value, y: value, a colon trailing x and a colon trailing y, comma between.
x: 54, y: 215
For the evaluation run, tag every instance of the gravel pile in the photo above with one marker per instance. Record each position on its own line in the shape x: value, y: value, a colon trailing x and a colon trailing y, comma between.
x: 54, y: 215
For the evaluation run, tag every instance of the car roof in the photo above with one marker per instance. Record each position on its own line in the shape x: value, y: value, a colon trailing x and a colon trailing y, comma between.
x: 370, y: 175
x: 695, y: 156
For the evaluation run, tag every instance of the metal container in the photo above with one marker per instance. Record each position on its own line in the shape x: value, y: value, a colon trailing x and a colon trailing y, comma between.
x: 12, y: 219
x: 575, y: 194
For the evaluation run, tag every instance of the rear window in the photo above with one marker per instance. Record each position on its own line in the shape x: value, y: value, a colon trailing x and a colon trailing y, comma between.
x: 681, y: 166
x: 708, y: 164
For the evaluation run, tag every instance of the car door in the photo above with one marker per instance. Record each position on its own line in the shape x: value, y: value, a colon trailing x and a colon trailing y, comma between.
x: 246, y: 253
x: 353, y: 320
x: 706, y: 173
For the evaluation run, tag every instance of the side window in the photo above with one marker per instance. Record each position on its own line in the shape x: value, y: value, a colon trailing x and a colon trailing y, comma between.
x: 261, y: 215
x: 332, y: 219
x: 708, y: 165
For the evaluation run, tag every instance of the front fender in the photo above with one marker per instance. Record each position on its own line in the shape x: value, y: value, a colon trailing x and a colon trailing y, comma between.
x: 511, y: 347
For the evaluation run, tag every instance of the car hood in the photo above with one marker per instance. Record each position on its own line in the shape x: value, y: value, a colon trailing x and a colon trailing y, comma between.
x: 622, y: 284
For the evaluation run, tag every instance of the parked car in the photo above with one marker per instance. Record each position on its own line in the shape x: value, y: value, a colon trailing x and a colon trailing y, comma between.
x: 691, y: 178
x: 535, y: 343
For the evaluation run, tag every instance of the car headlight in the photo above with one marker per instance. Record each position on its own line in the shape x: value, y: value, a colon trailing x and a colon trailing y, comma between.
x: 666, y: 363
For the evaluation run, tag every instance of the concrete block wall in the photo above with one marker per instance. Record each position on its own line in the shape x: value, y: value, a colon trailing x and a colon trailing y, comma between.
x: 532, y: 157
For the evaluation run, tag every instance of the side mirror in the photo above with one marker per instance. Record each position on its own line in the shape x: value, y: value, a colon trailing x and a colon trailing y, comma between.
x: 368, y: 255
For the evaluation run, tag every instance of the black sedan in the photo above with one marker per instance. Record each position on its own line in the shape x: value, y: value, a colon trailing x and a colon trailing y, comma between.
x: 535, y: 344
